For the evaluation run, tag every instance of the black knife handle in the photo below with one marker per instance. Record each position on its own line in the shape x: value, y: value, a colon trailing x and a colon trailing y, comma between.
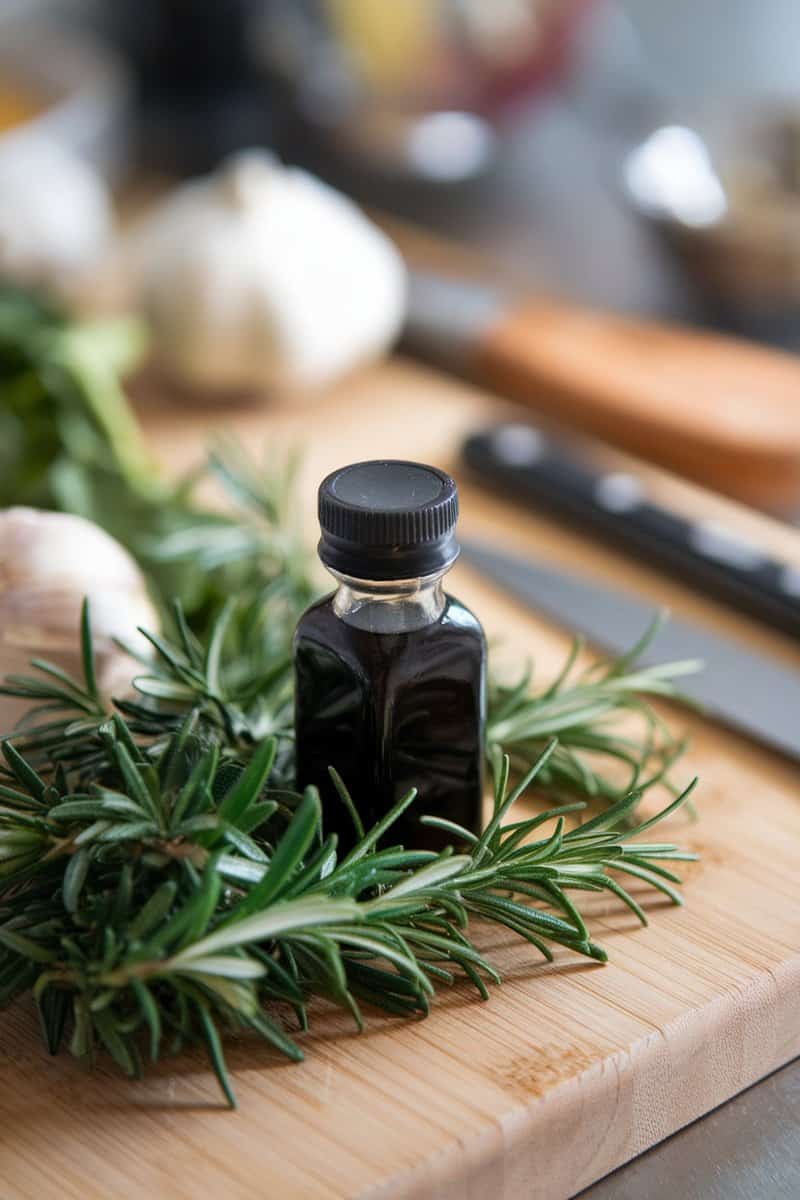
x: 520, y: 461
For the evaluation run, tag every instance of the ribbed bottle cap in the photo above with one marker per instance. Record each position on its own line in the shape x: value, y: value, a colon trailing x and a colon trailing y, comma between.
x: 388, y: 519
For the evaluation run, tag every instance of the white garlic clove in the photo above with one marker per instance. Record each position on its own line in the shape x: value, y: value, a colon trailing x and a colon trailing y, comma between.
x: 56, y: 218
x: 48, y: 562
x: 263, y: 276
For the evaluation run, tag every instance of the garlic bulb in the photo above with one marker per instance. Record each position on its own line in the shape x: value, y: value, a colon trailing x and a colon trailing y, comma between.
x: 263, y: 276
x: 48, y: 562
x: 55, y: 215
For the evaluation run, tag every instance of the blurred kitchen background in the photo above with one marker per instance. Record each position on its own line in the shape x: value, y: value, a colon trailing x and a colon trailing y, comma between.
x: 559, y: 135
x: 634, y: 156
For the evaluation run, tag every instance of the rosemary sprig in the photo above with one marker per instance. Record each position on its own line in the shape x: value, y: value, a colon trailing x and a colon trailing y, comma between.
x: 602, y: 716
x: 66, y: 442
x: 113, y: 913
x: 237, y: 687
x: 160, y: 880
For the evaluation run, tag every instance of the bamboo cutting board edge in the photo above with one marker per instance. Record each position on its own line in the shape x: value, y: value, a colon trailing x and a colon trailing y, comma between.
x: 498, y: 1162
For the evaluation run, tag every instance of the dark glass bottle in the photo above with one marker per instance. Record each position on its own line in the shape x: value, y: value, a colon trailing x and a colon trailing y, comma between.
x: 390, y: 669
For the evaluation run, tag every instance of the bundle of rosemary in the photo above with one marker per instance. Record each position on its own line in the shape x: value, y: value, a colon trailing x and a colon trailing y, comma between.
x: 160, y: 879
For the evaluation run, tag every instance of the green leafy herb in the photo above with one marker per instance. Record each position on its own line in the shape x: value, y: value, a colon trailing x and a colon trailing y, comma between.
x: 149, y: 902
x: 161, y: 882
x: 601, y: 715
x: 69, y: 441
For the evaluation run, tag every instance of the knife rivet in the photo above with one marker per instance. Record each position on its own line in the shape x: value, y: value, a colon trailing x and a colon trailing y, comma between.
x: 618, y: 492
x: 715, y: 541
x: 519, y: 445
x: 789, y: 581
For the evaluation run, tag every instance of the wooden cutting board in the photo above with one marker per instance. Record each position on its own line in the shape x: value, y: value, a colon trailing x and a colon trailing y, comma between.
x: 569, y: 1069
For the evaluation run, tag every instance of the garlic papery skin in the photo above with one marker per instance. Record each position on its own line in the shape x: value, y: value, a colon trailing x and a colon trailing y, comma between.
x: 56, y: 220
x: 262, y: 276
x: 48, y: 562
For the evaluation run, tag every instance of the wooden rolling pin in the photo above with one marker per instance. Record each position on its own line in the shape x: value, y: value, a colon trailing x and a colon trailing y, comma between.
x: 717, y: 409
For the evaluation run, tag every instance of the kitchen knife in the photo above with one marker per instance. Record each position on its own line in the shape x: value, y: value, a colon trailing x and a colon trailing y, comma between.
x: 745, y: 690
x: 718, y: 409
x: 518, y: 460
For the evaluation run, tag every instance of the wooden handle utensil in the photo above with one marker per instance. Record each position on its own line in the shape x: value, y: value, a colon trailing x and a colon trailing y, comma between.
x: 718, y: 409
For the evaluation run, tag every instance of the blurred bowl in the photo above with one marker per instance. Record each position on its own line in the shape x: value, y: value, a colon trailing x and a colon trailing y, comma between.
x: 411, y: 92
x: 725, y: 194
x: 64, y: 87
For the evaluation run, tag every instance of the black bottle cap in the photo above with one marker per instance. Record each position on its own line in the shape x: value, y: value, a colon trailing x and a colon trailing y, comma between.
x: 388, y: 519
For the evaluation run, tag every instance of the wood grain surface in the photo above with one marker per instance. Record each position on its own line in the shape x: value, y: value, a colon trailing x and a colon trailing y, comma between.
x: 570, y: 1069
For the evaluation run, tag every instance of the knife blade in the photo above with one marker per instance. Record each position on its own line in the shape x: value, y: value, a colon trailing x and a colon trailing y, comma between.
x: 741, y: 688
x: 717, y: 409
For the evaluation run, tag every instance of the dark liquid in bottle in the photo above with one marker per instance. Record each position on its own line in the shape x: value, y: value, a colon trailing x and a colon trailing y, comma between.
x: 391, y: 711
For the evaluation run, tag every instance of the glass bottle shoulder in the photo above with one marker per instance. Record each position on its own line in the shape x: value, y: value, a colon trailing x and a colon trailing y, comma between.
x: 320, y: 621
x: 316, y: 617
x: 458, y: 616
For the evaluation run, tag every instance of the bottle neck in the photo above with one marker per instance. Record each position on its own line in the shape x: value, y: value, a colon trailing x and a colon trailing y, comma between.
x: 395, y: 606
